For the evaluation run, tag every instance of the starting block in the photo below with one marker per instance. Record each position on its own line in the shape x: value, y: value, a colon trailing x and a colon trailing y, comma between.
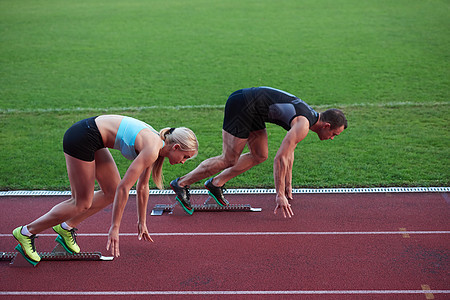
x: 159, y: 209
x: 59, y: 253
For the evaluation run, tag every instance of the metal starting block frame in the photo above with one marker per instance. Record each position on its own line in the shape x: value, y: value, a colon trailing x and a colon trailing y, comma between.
x: 159, y: 209
x: 58, y: 254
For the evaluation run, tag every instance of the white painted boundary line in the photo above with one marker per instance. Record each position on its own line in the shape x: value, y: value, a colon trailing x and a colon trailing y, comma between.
x: 135, y: 293
x: 259, y: 191
x: 2, y: 235
x: 110, y: 109
x: 203, y: 106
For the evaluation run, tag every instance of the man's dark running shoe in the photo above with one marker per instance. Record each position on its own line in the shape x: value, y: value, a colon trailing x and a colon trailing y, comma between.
x: 183, y: 196
x: 216, y: 192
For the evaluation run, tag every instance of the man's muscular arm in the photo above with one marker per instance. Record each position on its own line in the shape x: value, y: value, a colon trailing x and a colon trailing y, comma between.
x: 282, y: 167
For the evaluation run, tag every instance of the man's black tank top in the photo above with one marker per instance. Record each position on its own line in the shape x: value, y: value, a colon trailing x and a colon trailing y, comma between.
x: 277, y: 106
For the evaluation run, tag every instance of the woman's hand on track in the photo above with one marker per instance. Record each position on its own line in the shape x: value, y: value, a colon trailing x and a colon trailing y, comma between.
x: 113, y: 241
x: 143, y: 233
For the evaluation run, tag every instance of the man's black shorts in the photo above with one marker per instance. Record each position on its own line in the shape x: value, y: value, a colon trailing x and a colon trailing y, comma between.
x: 240, y: 116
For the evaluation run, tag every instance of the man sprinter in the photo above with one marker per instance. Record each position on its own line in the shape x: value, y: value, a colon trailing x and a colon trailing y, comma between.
x: 246, y: 112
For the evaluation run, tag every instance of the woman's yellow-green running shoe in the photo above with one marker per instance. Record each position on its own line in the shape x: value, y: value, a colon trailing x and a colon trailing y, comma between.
x: 27, y: 244
x: 67, y: 238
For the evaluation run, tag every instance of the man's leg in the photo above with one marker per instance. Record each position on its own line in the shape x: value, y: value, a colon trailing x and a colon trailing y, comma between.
x: 232, y: 149
x: 258, y: 146
x: 257, y: 143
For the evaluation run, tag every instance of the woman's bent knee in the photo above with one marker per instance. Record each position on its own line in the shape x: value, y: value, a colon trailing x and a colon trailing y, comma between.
x: 108, y: 195
x: 81, y: 207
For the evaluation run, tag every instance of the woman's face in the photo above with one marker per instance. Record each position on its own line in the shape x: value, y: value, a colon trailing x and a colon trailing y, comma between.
x: 178, y: 156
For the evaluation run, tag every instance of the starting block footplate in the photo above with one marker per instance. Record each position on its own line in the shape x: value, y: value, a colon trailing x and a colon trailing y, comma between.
x: 58, y: 254
x: 159, y: 209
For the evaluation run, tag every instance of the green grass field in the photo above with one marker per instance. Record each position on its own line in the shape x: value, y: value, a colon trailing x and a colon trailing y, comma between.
x: 174, y: 63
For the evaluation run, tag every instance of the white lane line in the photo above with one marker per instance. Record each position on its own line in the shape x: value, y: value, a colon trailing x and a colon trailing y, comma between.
x: 294, y: 292
x: 258, y: 233
x: 259, y: 191
x: 208, y: 106
x: 109, y: 109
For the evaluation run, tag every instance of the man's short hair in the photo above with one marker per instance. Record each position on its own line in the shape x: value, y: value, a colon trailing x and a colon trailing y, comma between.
x: 335, y: 117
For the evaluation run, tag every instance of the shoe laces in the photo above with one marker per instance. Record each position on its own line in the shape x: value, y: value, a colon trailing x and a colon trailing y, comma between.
x: 223, y: 188
x: 186, y: 188
x: 32, y: 238
x: 73, y: 233
x: 188, y: 193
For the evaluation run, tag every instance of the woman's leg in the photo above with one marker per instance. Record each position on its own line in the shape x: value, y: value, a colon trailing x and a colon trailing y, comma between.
x: 108, y: 178
x: 82, y: 182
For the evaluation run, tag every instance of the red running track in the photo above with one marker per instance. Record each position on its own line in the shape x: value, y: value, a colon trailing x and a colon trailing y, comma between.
x: 337, y: 246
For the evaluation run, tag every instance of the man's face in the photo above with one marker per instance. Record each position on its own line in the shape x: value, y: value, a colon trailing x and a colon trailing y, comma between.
x: 328, y: 134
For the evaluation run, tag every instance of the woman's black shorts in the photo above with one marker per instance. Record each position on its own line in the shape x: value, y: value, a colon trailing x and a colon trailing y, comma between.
x: 82, y: 139
x: 240, y: 115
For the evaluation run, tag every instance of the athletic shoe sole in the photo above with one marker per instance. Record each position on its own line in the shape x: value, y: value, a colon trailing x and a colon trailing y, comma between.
x: 188, y: 210
x: 59, y: 239
x: 20, y: 249
x: 220, y: 203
